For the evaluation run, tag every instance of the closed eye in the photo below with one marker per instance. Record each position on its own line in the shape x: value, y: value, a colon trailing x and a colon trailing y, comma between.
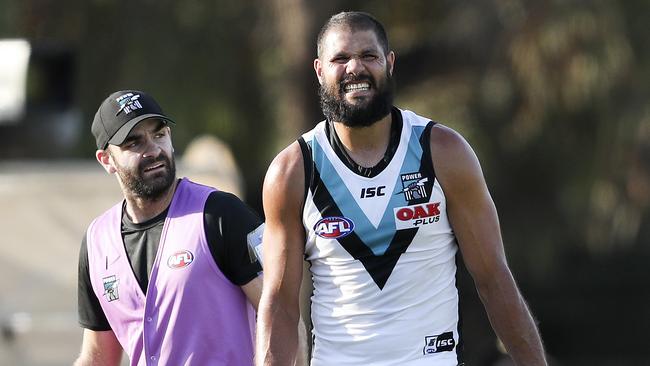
x: 340, y: 59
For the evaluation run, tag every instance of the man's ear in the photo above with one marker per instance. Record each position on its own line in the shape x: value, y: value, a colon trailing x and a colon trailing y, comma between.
x: 106, y: 161
x: 318, y: 67
x: 390, y: 59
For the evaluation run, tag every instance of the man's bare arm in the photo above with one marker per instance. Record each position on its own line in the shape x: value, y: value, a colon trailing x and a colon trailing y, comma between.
x: 99, y: 348
x: 474, y: 219
x: 283, y: 243
x: 253, y: 291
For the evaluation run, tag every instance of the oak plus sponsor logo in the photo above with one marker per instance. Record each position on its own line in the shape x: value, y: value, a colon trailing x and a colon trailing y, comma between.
x: 439, y: 343
x: 180, y: 259
x: 408, y: 217
x: 333, y: 227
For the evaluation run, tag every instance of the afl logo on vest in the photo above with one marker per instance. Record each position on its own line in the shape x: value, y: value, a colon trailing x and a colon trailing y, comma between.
x: 333, y: 227
x: 180, y: 259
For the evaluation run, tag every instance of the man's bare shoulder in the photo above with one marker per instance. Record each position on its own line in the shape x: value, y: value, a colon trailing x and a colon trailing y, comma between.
x: 287, y: 165
x: 284, y: 182
x: 449, y: 145
x: 444, y: 139
x: 452, y: 156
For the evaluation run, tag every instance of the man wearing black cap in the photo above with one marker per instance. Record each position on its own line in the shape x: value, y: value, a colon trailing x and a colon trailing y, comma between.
x: 170, y: 273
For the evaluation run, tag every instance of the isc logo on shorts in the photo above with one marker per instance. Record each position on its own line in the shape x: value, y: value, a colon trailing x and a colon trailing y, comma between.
x: 408, y: 217
x: 439, y: 343
x: 333, y: 227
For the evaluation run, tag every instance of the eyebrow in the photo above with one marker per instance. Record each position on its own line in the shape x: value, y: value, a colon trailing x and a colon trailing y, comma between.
x: 133, y: 137
x: 364, y: 51
x: 159, y: 126
x: 130, y: 138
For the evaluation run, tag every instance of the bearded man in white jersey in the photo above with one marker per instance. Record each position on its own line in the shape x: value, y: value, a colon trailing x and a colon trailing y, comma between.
x: 379, y: 200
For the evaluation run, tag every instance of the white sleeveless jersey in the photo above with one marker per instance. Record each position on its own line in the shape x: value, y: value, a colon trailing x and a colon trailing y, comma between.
x: 382, y: 256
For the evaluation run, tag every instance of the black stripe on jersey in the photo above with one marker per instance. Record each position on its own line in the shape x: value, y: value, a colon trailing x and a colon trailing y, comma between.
x: 308, y: 164
x: 426, y: 164
x: 378, y: 266
x: 460, y: 347
x: 427, y: 169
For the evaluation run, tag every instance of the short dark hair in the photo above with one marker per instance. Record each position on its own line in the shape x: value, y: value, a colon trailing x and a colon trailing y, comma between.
x: 355, y: 21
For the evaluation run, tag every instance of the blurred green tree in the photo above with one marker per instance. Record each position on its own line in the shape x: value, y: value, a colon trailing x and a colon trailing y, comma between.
x: 553, y: 95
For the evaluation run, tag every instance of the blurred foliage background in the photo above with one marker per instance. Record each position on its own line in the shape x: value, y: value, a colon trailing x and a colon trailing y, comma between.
x: 553, y: 95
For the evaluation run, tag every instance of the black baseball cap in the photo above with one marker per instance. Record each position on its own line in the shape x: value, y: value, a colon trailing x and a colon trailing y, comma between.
x: 120, y: 112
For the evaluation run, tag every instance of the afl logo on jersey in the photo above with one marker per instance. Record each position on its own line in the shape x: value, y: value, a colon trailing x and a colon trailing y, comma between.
x: 333, y: 227
x: 180, y: 259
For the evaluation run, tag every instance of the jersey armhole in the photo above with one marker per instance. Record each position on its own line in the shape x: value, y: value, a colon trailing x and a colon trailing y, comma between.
x: 425, y: 142
x: 308, y: 164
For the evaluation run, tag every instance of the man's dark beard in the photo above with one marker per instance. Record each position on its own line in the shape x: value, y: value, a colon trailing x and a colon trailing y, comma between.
x: 149, y: 188
x: 337, y: 109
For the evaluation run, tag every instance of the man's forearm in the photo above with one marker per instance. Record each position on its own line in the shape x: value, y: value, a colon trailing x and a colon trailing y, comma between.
x: 277, y: 336
x: 513, y: 323
x: 97, y: 359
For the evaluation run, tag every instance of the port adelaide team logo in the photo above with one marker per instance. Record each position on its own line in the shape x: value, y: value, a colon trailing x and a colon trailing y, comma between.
x: 110, y: 288
x: 418, y: 212
x: 413, y: 186
x: 334, y: 227
x: 128, y: 103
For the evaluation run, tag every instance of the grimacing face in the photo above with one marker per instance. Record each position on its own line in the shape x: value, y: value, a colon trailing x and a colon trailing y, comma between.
x: 144, y: 162
x: 355, y: 76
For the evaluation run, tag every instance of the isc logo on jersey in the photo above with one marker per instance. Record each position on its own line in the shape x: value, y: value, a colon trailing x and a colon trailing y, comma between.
x: 333, y: 227
x: 180, y: 259
x: 439, y: 343
x: 408, y: 217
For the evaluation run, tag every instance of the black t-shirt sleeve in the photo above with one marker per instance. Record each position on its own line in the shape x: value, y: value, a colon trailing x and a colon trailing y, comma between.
x: 91, y: 315
x: 228, y: 221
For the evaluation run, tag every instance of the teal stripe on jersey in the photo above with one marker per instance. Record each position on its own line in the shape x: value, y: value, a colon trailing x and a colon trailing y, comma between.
x: 380, y: 237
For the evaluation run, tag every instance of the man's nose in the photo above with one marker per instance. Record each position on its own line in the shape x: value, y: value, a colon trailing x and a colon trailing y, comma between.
x: 354, y: 66
x: 151, y: 149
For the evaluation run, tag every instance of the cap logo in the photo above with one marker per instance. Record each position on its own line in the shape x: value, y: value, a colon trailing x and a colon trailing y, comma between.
x: 128, y: 103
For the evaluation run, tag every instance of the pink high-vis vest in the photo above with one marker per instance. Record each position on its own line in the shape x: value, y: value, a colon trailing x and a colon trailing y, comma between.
x: 192, y: 314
